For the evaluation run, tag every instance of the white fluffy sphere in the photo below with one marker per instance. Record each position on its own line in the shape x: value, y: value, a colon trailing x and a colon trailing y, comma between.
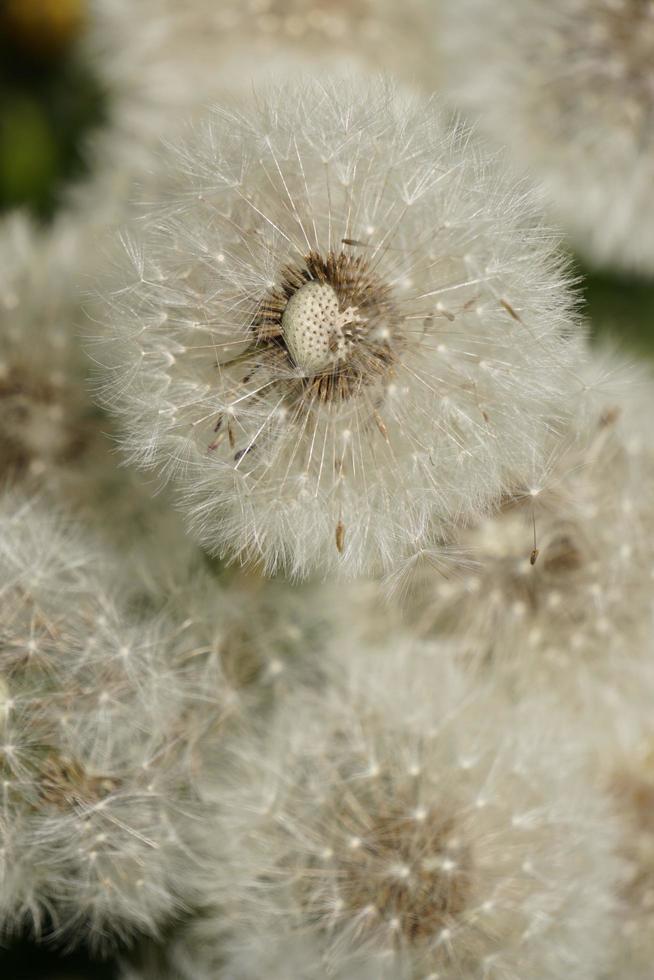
x: 100, y: 712
x: 402, y: 823
x: 338, y: 328
x: 568, y: 86
x: 558, y: 593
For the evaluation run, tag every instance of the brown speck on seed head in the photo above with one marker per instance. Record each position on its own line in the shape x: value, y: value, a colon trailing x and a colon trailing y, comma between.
x: 240, y: 658
x: 340, y: 537
x: 609, y: 417
x: 510, y: 310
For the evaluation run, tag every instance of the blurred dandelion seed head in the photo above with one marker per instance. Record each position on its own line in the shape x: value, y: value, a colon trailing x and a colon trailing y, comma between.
x: 407, y: 830
x: 568, y: 87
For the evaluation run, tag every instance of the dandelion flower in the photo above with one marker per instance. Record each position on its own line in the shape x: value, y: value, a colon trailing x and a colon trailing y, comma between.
x: 569, y: 87
x: 558, y: 592
x: 404, y: 824
x: 99, y: 716
x: 53, y: 438
x: 338, y: 328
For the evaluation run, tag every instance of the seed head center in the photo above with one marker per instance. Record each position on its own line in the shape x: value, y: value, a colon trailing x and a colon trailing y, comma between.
x: 316, y: 332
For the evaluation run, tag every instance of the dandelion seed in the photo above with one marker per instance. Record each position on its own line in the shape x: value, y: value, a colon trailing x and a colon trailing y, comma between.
x: 44, y: 410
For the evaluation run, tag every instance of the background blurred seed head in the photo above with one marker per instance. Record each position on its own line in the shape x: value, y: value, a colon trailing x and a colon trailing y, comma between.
x: 568, y: 87
x: 405, y: 822
x: 99, y: 718
x: 168, y: 61
x: 557, y: 592
x: 46, y: 417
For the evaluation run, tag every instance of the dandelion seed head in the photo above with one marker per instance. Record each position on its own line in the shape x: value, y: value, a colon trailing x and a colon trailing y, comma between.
x: 569, y: 88
x: 316, y: 411
x: 398, y: 871
x: 95, y: 747
x: 554, y: 597
x: 175, y: 59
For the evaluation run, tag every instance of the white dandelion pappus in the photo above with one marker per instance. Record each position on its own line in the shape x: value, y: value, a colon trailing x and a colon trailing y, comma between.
x: 168, y: 57
x: 241, y: 644
x: 99, y: 717
x: 338, y: 328
x: 557, y: 597
x: 568, y: 87
x: 405, y: 823
x: 52, y: 437
x: 45, y: 410
x: 165, y: 61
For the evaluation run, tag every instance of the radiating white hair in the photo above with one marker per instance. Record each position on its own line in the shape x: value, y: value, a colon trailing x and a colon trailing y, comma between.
x: 339, y: 328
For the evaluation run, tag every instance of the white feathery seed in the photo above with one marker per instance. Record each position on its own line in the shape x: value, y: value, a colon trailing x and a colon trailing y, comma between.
x: 338, y: 328
x: 251, y: 639
x: 568, y: 87
x: 168, y: 57
x: 115, y: 701
x: 53, y: 438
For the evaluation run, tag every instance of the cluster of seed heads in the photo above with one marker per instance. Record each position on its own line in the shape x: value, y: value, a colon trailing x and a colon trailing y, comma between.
x: 341, y: 332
